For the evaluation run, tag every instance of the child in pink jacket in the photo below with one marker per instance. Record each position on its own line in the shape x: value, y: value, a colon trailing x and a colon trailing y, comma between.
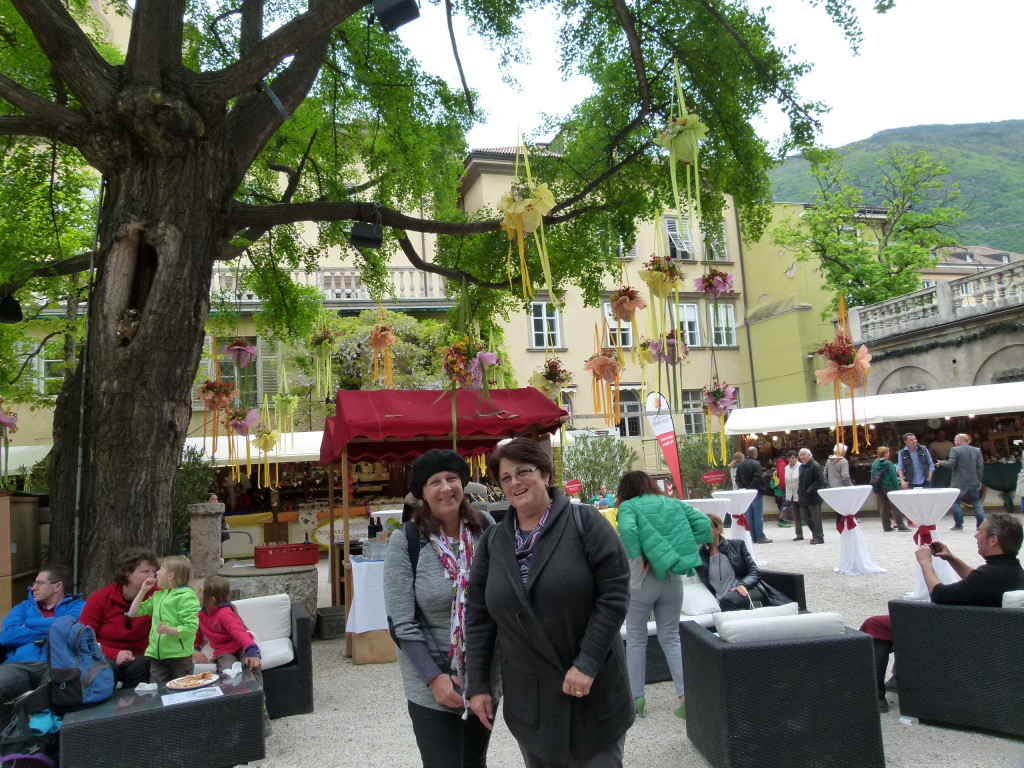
x: 230, y: 641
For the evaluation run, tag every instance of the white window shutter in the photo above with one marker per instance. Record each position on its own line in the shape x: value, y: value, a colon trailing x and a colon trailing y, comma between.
x: 270, y: 368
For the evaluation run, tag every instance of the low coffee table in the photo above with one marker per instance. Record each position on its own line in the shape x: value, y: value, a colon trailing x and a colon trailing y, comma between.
x: 131, y: 729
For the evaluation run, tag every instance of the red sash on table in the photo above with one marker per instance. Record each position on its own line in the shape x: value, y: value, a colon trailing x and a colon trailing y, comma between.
x: 741, y: 521
x: 846, y: 522
x: 923, y: 534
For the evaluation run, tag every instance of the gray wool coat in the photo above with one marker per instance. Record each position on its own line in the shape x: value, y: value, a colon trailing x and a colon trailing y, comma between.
x: 575, y: 601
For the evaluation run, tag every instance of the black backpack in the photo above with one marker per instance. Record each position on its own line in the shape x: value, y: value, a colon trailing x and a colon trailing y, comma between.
x: 876, y: 479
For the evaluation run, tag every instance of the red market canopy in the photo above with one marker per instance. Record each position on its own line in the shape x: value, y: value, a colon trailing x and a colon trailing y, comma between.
x: 399, y: 425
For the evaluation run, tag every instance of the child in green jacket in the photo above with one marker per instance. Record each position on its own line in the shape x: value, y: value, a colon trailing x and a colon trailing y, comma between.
x: 175, y: 612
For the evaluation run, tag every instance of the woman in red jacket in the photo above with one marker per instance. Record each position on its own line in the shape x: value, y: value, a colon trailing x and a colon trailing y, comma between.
x: 123, y: 640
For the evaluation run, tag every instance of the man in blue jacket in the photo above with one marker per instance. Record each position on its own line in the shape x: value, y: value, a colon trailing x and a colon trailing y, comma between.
x: 26, y: 628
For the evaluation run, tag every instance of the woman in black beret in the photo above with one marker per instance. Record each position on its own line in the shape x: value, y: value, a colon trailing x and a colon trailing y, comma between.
x: 426, y: 575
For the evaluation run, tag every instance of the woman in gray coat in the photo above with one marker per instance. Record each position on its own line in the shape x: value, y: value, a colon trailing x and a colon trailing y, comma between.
x: 550, y: 588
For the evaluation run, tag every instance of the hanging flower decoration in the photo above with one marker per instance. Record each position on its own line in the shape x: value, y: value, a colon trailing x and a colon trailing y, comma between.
x: 241, y: 352
x: 662, y: 274
x: 604, y: 366
x: 848, y: 368
x: 625, y: 302
x: 718, y: 399
x: 8, y: 426
x: 669, y: 349
x: 241, y: 419
x: 466, y: 362
x: 264, y: 437
x: 551, y: 378
x: 714, y: 284
x: 382, y: 337
x: 216, y: 395
x: 681, y: 136
x: 323, y: 343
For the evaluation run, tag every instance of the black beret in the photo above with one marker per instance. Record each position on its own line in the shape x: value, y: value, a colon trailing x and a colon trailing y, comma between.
x: 432, y: 462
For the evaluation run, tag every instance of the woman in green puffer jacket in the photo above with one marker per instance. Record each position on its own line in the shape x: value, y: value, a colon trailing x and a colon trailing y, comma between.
x: 662, y: 537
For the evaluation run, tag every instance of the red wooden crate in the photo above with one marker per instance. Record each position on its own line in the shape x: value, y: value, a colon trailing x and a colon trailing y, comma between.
x: 287, y: 554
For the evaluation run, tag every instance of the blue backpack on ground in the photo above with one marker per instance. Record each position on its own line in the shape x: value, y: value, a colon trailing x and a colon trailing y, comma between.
x: 79, y: 672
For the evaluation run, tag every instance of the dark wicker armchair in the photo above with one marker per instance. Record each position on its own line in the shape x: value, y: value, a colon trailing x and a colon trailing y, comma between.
x: 959, y: 664
x: 809, y: 703
x: 789, y: 584
x: 288, y: 690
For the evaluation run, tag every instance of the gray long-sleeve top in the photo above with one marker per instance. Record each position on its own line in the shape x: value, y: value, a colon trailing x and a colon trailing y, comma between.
x: 434, y: 593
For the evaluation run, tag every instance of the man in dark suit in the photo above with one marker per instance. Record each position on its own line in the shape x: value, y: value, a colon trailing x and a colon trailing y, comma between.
x: 750, y: 475
x: 809, y: 502
x: 968, y: 467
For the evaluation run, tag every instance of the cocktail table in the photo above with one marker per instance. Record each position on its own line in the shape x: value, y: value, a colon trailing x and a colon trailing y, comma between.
x: 740, y: 500
x: 132, y: 729
x: 854, y: 558
x: 926, y: 506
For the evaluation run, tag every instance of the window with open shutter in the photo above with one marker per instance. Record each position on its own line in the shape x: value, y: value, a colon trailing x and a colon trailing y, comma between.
x: 680, y: 243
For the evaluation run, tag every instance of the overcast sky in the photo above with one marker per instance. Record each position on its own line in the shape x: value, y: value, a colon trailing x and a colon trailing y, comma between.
x: 926, y: 61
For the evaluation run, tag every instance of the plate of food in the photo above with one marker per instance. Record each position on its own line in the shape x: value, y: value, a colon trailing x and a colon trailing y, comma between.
x: 190, y: 682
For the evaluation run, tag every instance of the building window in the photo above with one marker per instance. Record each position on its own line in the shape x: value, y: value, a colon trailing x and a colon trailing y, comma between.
x: 688, y: 322
x: 714, y: 247
x: 565, y: 402
x: 626, y: 255
x: 693, y: 414
x: 723, y: 325
x: 677, y: 232
x: 619, y: 334
x: 630, y: 412
x: 545, y: 324
x: 927, y: 283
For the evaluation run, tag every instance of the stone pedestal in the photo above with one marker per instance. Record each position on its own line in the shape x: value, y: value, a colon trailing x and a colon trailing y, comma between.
x: 297, y: 581
x: 204, y: 528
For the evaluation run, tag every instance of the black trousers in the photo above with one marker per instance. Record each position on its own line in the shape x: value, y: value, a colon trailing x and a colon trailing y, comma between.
x: 734, y: 601
x: 131, y: 674
x: 446, y: 740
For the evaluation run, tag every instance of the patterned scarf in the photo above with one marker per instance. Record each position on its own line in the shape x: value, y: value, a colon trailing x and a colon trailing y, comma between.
x: 456, y: 567
x: 525, y: 544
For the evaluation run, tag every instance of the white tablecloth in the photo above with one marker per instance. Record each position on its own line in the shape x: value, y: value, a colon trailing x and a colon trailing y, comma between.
x: 854, y: 558
x: 927, y: 506
x: 367, y: 610
x: 739, y: 504
x: 711, y: 506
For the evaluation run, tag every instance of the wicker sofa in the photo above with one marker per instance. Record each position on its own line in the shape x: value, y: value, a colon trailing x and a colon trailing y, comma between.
x: 790, y: 584
x: 779, y: 704
x: 284, y: 631
x: 958, y: 664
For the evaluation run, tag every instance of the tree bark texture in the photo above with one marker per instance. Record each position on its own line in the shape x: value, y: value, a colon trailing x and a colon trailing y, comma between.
x: 162, y: 220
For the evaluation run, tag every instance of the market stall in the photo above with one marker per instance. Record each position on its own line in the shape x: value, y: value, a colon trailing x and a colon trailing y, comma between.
x: 397, y: 425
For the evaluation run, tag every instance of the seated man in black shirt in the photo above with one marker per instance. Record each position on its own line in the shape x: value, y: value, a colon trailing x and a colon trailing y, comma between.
x: 999, y: 540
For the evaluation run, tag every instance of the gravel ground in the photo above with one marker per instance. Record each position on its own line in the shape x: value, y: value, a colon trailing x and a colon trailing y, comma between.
x: 361, y: 719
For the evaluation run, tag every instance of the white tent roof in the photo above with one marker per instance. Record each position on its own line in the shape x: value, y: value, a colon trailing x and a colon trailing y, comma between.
x: 292, y: 446
x: 25, y: 456
x: 904, y: 406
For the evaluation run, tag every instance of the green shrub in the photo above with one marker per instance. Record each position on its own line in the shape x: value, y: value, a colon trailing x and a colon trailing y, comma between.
x: 596, y: 460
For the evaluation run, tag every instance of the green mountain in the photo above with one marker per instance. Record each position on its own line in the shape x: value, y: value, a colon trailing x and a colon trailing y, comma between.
x: 986, y: 158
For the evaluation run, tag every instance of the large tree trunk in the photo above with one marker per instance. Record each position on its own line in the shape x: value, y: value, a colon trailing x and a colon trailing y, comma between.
x: 127, y: 408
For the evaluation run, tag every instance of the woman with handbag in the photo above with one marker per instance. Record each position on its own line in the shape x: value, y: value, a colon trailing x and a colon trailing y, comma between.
x: 661, y: 536
x: 731, y: 575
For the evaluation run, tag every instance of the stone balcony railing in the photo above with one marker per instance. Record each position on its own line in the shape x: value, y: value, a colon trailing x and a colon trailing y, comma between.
x: 346, y: 285
x: 948, y: 301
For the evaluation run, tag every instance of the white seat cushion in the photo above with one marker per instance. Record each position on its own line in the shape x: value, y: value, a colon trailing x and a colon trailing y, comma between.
x: 268, y: 617
x: 698, y: 600
x: 789, y: 609
x: 276, y: 653
x: 1014, y: 599
x: 783, y: 628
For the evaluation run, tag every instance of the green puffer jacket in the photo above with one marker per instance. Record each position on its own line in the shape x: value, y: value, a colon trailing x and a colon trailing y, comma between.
x: 667, y: 532
x: 178, y: 608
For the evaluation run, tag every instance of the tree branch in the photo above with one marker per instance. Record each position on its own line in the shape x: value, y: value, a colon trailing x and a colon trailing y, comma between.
x: 155, y: 42
x: 594, y: 184
x: 69, y: 266
x: 267, y: 216
x: 89, y: 77
x: 36, y: 106
x: 458, y: 60
x: 449, y: 272
x: 289, y: 39
x: 30, y: 126
x: 34, y: 353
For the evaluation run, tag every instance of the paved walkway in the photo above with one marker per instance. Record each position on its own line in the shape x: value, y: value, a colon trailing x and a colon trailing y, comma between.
x: 361, y: 720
